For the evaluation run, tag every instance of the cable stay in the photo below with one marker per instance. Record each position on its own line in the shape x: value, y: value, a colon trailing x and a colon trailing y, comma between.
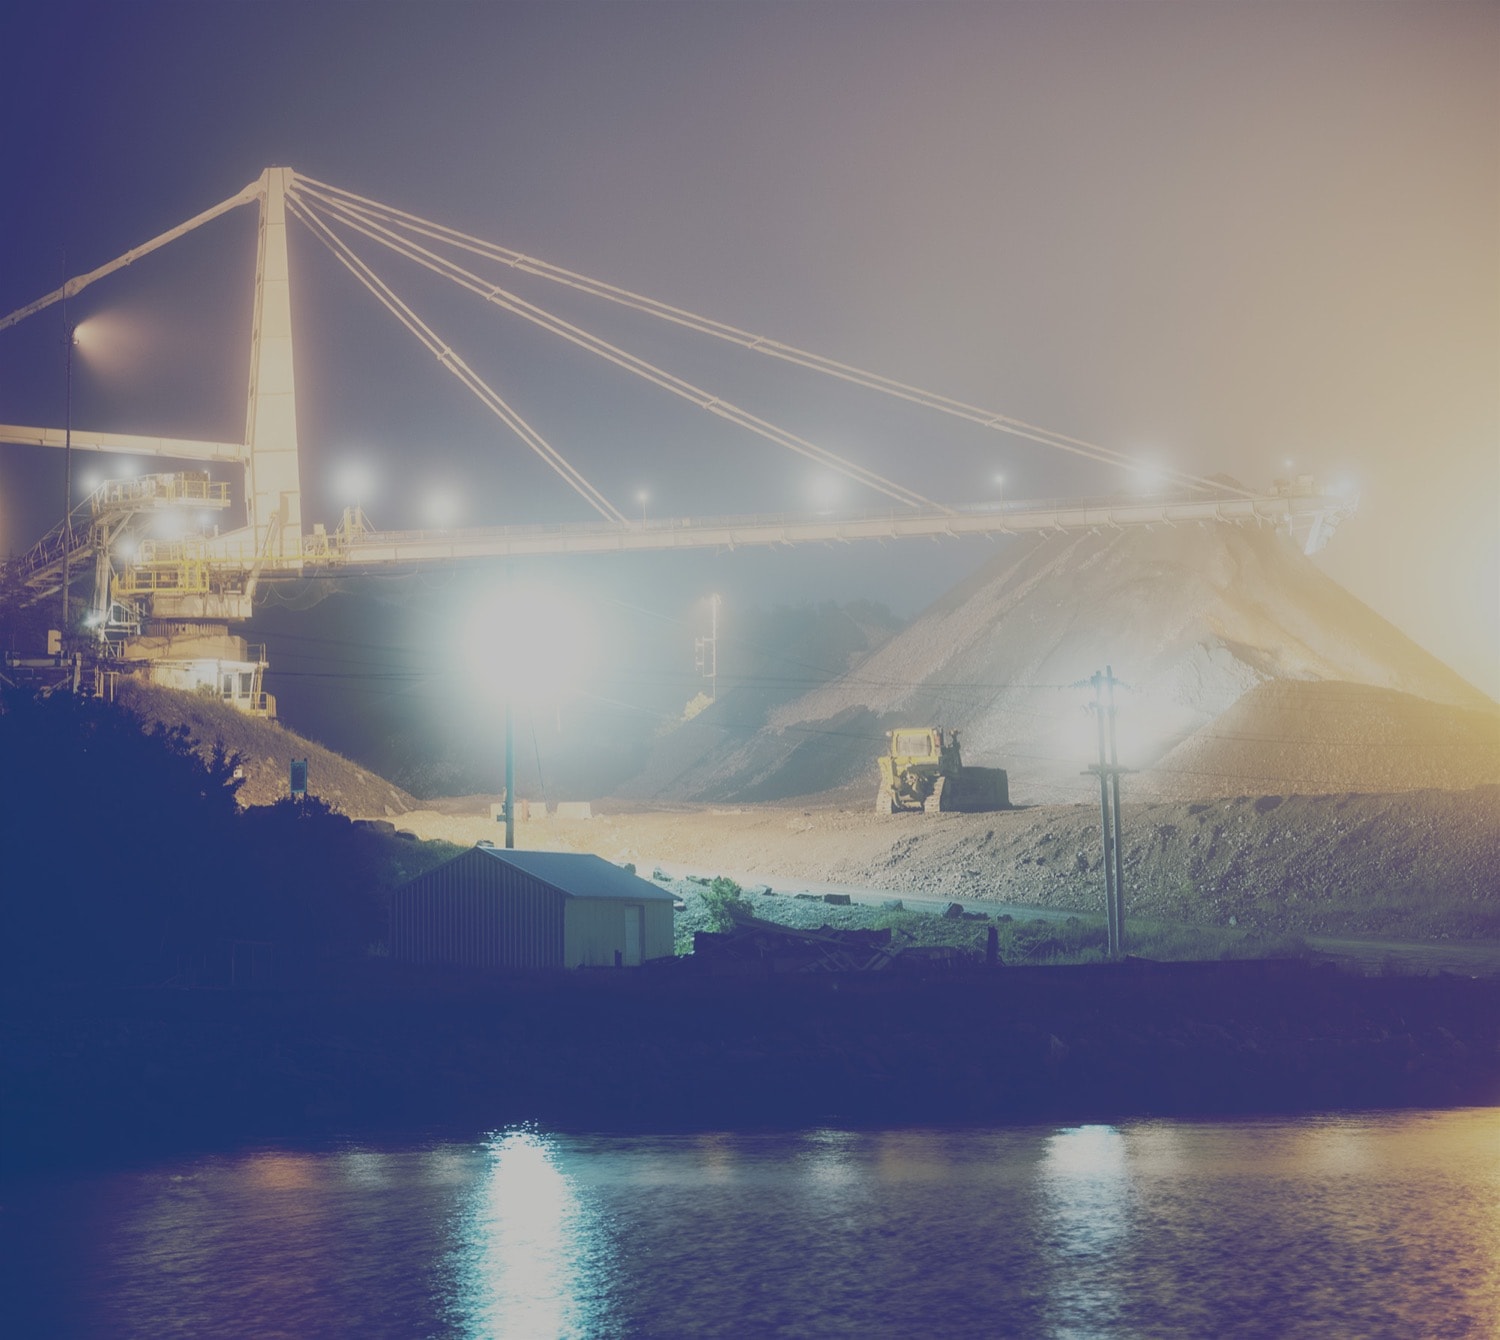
x: 762, y: 344
x: 371, y: 227
x: 78, y: 283
x: 486, y: 394
x: 321, y: 206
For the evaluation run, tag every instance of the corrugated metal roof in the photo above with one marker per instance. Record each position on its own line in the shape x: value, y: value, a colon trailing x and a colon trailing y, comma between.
x: 579, y: 875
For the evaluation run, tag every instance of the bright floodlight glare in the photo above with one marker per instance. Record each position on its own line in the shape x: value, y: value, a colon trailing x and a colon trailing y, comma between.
x: 355, y: 482
x: 125, y: 550
x: 529, y: 641
x: 825, y: 492
x: 1147, y: 477
x: 441, y: 508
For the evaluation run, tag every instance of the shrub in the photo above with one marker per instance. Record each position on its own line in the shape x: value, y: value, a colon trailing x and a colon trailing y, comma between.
x: 724, y: 899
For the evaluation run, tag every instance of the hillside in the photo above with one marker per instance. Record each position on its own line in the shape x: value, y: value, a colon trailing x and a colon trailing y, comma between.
x: 266, y: 750
x: 1190, y: 619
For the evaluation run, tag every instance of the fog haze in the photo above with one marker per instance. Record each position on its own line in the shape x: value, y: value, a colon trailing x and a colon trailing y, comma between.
x: 1222, y: 237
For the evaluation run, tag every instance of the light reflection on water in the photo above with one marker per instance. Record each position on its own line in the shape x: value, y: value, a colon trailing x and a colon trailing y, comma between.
x: 1371, y: 1225
x: 531, y: 1255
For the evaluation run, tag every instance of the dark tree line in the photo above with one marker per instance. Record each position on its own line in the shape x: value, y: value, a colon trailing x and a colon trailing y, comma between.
x: 127, y: 859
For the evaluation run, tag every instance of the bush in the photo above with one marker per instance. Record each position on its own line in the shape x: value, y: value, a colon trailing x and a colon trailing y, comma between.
x: 122, y: 842
x: 724, y: 898
x: 130, y: 858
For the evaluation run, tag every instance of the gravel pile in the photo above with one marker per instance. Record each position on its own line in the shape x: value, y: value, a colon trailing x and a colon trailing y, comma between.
x: 1309, y: 738
x: 1190, y: 618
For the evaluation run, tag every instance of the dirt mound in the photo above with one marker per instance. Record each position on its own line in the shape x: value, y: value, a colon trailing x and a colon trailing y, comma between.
x: 1310, y: 738
x: 1190, y: 619
x: 266, y: 750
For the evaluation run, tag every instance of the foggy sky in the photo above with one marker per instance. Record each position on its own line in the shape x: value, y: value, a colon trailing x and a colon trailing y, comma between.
x: 1220, y: 236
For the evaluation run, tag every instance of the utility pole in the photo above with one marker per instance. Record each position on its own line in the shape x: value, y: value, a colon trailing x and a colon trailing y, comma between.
x: 1115, y: 770
x: 1108, y: 770
x: 513, y: 637
x: 707, y: 651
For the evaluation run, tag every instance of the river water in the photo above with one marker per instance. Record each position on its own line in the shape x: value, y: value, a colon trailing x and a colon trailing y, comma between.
x: 1366, y: 1225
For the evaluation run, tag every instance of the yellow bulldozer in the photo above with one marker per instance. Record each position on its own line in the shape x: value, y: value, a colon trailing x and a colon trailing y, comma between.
x: 921, y: 769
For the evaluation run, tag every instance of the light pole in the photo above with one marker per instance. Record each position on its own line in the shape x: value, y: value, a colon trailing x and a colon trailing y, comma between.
x: 642, y: 497
x: 510, y: 770
x: 67, y: 530
x: 521, y: 643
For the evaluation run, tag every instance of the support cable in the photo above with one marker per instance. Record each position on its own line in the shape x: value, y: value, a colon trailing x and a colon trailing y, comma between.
x: 371, y: 227
x: 985, y: 418
x: 455, y: 364
x: 81, y: 282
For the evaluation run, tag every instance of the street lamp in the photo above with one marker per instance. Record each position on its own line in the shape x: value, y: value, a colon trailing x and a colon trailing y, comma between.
x: 526, y: 644
x: 642, y: 497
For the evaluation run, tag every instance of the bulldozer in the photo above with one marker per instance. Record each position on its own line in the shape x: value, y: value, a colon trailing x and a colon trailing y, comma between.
x: 923, y: 770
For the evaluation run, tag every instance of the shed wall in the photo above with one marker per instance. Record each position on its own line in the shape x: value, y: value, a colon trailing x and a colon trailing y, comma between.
x: 596, y: 929
x: 479, y: 913
x: 661, y: 934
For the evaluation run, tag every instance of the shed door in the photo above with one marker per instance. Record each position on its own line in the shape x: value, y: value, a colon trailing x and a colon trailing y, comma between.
x: 633, y: 936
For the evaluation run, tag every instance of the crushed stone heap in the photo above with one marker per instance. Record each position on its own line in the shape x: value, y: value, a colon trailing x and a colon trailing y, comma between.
x: 1326, y: 738
x: 1190, y: 618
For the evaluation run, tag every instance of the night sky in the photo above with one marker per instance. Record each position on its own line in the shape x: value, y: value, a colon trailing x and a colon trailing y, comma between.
x: 1218, y: 236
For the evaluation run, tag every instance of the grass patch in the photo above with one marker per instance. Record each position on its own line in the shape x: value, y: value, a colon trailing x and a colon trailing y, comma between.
x: 1035, y: 940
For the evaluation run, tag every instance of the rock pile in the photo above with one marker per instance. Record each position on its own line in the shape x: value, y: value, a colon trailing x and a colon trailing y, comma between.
x: 1191, y: 619
x: 1326, y: 738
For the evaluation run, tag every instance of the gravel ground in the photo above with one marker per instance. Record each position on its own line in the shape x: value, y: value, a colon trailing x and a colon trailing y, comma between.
x: 1422, y: 865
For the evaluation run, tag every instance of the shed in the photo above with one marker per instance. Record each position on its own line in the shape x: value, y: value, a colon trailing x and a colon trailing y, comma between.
x: 496, y: 908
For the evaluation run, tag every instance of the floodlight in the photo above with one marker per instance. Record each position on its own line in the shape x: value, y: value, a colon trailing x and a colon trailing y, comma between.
x: 355, y: 482
x: 441, y: 508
